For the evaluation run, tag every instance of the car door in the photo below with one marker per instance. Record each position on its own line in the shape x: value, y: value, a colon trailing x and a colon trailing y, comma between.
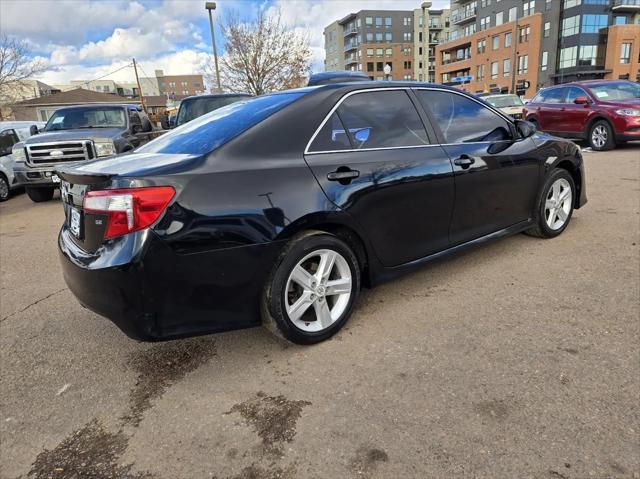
x: 574, y: 117
x: 496, y: 175
x: 375, y: 160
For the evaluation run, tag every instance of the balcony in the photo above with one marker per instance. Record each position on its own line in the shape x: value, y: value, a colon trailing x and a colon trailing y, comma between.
x: 350, y: 61
x: 456, y: 60
x: 350, y: 46
x: 435, y: 26
x: 464, y: 17
x: 350, y: 31
x: 621, y: 6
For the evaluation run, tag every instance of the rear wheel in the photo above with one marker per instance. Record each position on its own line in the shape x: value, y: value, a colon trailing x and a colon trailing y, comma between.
x: 601, y: 136
x: 555, y: 206
x: 4, y: 188
x: 38, y: 195
x: 311, y: 292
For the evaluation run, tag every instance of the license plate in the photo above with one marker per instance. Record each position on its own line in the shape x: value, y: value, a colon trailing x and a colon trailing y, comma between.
x: 55, y: 178
x: 74, y: 222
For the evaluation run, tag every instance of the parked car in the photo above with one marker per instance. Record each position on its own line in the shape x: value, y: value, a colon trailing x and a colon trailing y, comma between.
x: 194, y: 106
x: 509, y: 104
x: 12, y: 132
x: 603, y: 112
x: 280, y: 207
x: 340, y: 76
x: 75, y: 135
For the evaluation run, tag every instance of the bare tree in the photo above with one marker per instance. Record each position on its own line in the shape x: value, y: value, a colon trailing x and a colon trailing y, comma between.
x: 16, y: 66
x: 262, y: 54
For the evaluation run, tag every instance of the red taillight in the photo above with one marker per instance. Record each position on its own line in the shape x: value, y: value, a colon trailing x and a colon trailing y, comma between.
x: 128, y: 209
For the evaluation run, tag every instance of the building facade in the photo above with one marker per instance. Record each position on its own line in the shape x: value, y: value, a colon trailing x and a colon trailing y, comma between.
x: 179, y: 85
x: 557, y: 41
x: 369, y: 40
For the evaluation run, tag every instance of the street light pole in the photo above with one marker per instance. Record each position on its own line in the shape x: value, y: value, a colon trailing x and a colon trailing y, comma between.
x: 209, y: 7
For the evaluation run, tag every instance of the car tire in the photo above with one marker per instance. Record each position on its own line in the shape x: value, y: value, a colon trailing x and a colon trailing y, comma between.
x: 315, y: 312
x: 601, y: 137
x: 554, y: 209
x: 38, y: 195
x: 5, y: 190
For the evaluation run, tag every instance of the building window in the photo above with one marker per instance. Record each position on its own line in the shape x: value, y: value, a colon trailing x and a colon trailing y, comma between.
x: 379, y: 37
x: 368, y: 21
x: 480, y: 72
x: 378, y: 22
x: 172, y: 84
x: 507, y: 39
x: 387, y: 22
x: 625, y: 53
x: 495, y: 42
x: 388, y: 52
x: 499, y: 18
x: 523, y: 64
x: 528, y: 8
x: 445, y: 78
x: 406, y: 21
x: 506, y: 67
x: 588, y: 55
x: 545, y: 61
x: 369, y: 52
x: 485, y: 23
x: 593, y: 23
x: 184, y: 83
x: 513, y: 14
x: 547, y: 29
x: 388, y: 37
x: 548, y: 5
x: 482, y: 45
x: 407, y: 65
x: 407, y: 36
x: 524, y: 34
x: 369, y: 66
x: 568, y: 57
x: 571, y: 3
x: 620, y: 20
x: 379, y: 52
x: 571, y: 26
x: 379, y: 66
x: 494, y: 70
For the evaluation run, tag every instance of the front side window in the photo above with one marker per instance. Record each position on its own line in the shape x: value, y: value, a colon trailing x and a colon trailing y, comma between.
x: 554, y: 95
x: 463, y: 120
x: 382, y: 119
x: 8, y: 138
x: 574, y: 92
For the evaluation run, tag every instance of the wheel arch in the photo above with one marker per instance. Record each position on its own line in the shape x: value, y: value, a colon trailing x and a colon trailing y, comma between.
x: 595, y: 118
x: 569, y: 165
x: 337, y: 224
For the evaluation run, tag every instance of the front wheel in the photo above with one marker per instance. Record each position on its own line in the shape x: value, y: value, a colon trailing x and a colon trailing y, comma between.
x: 601, y: 136
x: 38, y: 195
x: 311, y: 292
x: 556, y: 205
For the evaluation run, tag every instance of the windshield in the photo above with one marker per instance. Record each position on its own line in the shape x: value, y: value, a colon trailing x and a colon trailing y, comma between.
x: 504, y: 101
x: 208, y: 132
x: 195, y: 107
x: 75, y: 118
x: 624, y: 90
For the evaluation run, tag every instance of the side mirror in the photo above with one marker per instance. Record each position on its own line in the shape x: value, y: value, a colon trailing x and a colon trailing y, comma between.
x: 581, y: 100
x: 33, y: 130
x: 525, y: 128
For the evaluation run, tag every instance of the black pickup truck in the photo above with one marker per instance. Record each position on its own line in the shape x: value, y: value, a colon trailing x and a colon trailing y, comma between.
x: 75, y: 135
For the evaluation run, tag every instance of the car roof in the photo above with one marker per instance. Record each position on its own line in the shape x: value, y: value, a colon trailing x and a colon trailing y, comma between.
x: 216, y: 95
x: 98, y: 105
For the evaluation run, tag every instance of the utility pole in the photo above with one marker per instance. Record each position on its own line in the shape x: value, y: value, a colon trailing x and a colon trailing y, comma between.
x: 425, y: 41
x: 135, y: 69
x: 514, y: 66
x: 209, y: 7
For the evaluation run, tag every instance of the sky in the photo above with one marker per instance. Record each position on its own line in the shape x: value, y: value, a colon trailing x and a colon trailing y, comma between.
x: 88, y: 39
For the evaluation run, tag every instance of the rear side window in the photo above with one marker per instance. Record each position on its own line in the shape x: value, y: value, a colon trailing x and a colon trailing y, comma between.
x: 463, y: 120
x: 382, y: 119
x: 210, y: 131
x: 332, y: 136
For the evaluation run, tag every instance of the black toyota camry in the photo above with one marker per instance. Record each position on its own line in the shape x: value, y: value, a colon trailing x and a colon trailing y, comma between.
x: 276, y: 210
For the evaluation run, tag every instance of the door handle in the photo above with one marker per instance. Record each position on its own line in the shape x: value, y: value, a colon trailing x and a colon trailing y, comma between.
x: 343, y: 174
x: 464, y: 161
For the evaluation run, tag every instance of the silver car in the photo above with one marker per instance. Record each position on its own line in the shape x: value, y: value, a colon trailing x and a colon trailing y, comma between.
x: 12, y: 133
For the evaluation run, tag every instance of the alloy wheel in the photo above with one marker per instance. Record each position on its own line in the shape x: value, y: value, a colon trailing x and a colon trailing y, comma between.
x: 558, y: 204
x: 599, y: 136
x: 318, y: 290
x: 4, y: 189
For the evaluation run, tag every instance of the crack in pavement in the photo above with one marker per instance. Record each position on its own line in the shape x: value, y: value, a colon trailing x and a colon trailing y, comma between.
x: 32, y: 304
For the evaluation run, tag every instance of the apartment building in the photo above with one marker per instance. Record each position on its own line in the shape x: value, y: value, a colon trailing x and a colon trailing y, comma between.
x: 371, y: 39
x: 179, y: 85
x: 557, y: 41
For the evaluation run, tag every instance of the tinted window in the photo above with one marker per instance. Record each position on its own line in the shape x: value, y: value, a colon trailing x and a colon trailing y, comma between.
x: 8, y: 138
x: 195, y: 107
x: 208, y: 132
x: 554, y: 95
x: 331, y: 137
x: 382, y: 119
x: 624, y: 90
x: 463, y: 120
x: 573, y: 93
x: 99, y: 117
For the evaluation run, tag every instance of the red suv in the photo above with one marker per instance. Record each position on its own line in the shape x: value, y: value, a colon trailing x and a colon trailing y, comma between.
x: 602, y: 112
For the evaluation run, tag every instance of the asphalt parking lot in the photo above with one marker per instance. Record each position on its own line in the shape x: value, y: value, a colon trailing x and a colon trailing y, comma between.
x: 518, y: 359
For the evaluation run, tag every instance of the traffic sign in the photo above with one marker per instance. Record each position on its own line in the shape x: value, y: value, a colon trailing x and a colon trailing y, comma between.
x: 462, y: 79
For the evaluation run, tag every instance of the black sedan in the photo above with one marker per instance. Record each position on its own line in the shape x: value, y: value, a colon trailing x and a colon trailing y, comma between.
x: 277, y: 209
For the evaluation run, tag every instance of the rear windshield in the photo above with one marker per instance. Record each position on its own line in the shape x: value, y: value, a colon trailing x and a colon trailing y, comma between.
x: 193, y: 108
x: 504, y: 101
x: 208, y: 132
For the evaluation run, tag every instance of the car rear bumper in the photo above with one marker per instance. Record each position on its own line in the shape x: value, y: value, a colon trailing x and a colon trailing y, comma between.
x: 152, y: 293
